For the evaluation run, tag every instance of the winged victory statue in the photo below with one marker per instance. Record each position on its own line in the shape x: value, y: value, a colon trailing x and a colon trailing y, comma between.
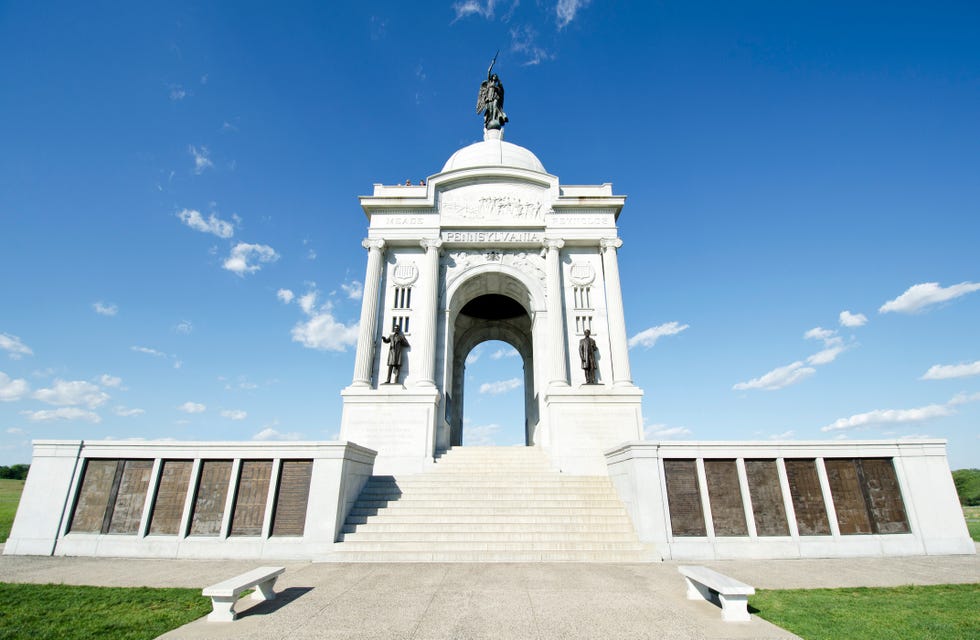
x: 490, y: 101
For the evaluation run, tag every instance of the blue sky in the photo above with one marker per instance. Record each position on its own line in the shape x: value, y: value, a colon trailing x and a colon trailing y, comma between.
x: 180, y: 242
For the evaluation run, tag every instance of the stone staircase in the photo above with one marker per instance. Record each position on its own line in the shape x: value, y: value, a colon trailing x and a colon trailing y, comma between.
x: 489, y: 504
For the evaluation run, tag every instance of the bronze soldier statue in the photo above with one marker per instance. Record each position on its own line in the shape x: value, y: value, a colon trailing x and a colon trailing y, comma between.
x: 396, y: 342
x: 588, y: 352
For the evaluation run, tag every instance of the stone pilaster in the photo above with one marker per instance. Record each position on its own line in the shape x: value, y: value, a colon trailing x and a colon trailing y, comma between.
x: 369, y: 313
x: 558, y: 370
x: 428, y: 306
x: 617, y: 319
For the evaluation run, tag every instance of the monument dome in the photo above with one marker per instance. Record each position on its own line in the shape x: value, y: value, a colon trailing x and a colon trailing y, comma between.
x: 493, y: 152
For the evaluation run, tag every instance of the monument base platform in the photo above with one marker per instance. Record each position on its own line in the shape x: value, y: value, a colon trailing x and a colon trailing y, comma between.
x: 586, y: 420
x: 397, y: 422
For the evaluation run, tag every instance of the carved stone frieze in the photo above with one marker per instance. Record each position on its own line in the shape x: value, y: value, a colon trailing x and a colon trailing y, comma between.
x: 454, y: 264
x: 492, y: 208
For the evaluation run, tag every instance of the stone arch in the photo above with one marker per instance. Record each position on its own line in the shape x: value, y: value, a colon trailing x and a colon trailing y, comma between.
x: 464, y: 332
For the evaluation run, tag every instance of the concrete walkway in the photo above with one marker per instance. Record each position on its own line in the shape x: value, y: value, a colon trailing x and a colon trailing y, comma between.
x: 430, y: 601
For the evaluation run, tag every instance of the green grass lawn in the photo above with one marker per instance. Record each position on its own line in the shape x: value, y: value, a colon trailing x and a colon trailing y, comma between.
x: 9, y: 497
x: 972, y: 515
x: 946, y: 611
x: 35, y: 611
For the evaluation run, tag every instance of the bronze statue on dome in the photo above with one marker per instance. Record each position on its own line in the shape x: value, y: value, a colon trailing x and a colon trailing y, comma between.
x: 490, y: 101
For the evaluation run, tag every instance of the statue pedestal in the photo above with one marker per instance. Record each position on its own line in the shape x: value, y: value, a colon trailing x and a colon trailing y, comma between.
x: 396, y: 422
x: 585, y: 421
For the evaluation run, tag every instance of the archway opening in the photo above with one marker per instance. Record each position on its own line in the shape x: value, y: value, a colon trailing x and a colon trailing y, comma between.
x: 491, y: 307
x: 493, y: 387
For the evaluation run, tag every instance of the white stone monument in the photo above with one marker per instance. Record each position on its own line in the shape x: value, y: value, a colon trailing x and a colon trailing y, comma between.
x: 492, y: 248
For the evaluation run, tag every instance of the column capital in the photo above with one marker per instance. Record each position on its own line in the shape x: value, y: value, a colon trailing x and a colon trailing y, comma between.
x: 431, y: 243
x: 373, y: 243
x: 611, y: 243
x: 553, y: 243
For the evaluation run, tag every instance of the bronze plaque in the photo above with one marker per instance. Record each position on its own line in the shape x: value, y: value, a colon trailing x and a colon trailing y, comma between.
x: 725, y: 496
x: 845, y: 487
x: 768, y: 508
x: 804, y: 488
x: 171, y: 494
x: 131, y: 497
x: 209, y: 503
x: 253, y: 492
x: 884, y: 495
x: 289, y: 518
x: 684, y: 498
x: 93, y: 497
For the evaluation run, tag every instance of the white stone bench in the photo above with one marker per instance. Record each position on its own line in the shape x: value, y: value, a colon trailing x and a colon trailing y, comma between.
x: 224, y: 594
x: 732, y: 595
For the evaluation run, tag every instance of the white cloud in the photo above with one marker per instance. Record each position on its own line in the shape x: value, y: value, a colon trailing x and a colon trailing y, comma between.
x: 192, y: 407
x: 307, y: 302
x: 213, y: 225
x: 467, y: 8
x: 14, y: 347
x: 473, y: 356
x: 242, y: 253
x: 201, y: 159
x: 128, y: 413
x: 16, y: 431
x: 663, y: 432
x: 923, y: 295
x: 901, y: 416
x: 105, y: 309
x: 506, y: 352
x: 324, y: 333
x: 915, y: 436
x: 12, y: 390
x: 110, y: 381
x: 889, y: 416
x: 566, y: 10
x: 826, y: 356
x: 848, y: 319
x: 177, y: 93
x: 150, y: 352
x: 184, y: 327
x: 481, y: 435
x: 524, y: 40
x: 354, y: 289
x: 778, y: 378
x: 944, y: 371
x: 649, y: 337
x: 819, y: 333
x: 234, y: 414
x: 271, y: 434
x: 285, y: 295
x: 65, y: 413
x: 500, y: 386
x: 70, y: 393
x: 785, y: 435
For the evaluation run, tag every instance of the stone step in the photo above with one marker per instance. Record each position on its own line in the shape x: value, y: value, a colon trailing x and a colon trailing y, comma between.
x: 519, y: 510
x: 483, y: 518
x: 614, y: 526
x: 479, y: 537
x: 491, y: 556
x: 488, y: 545
x: 490, y: 501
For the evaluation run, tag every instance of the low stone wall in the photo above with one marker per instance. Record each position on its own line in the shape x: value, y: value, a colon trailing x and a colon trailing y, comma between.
x: 722, y: 500
x: 188, y: 499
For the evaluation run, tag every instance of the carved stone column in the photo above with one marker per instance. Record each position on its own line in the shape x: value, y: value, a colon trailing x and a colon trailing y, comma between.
x: 369, y: 313
x: 617, y: 319
x: 558, y: 369
x: 428, y: 306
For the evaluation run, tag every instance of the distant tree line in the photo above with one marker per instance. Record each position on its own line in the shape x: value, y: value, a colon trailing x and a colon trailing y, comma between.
x: 968, y: 486
x: 14, y: 472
